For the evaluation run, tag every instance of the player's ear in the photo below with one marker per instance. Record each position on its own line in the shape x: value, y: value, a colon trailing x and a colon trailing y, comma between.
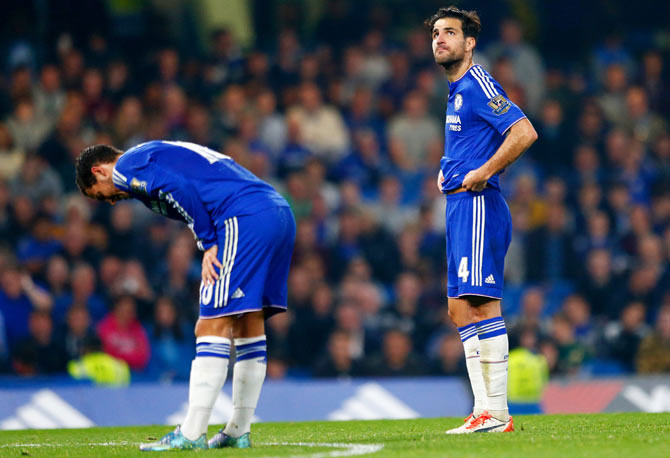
x: 98, y: 171
x: 470, y: 43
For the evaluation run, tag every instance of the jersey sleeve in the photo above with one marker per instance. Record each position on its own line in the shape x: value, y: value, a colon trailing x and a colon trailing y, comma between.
x: 132, y: 172
x: 492, y: 104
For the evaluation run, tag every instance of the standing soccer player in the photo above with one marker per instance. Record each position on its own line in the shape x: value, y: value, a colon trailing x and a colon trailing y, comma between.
x: 484, y: 133
x: 246, y: 230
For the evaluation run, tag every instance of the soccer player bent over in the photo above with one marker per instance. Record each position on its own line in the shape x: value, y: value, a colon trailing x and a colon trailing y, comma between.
x: 484, y: 133
x: 246, y: 230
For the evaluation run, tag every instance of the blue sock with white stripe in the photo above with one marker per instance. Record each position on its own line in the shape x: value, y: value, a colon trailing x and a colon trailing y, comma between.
x: 208, y: 373
x: 471, y: 349
x: 494, y: 351
x: 248, y: 377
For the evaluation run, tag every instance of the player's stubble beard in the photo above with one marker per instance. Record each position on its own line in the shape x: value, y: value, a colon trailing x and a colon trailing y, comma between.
x: 452, y: 61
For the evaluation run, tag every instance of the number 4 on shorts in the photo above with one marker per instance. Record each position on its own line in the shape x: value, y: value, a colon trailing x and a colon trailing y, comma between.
x: 463, y: 271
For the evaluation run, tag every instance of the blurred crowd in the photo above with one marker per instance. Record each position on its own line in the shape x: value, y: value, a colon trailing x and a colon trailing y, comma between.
x: 351, y: 133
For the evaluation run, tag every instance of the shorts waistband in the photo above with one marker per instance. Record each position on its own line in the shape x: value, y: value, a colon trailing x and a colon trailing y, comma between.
x: 470, y: 194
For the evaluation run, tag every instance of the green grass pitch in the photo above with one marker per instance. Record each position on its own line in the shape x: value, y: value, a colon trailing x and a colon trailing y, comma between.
x: 602, y: 435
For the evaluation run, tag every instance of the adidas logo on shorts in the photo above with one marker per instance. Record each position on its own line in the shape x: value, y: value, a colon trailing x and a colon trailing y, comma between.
x: 237, y: 294
x: 490, y: 280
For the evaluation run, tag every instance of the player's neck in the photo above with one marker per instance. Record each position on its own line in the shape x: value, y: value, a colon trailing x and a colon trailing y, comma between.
x: 457, y: 72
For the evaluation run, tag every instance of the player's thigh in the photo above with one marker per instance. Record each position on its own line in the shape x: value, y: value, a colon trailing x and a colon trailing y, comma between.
x: 483, y: 308
x: 250, y: 324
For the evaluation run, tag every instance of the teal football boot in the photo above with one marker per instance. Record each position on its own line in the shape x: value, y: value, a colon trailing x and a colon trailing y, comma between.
x: 175, y: 440
x: 221, y: 440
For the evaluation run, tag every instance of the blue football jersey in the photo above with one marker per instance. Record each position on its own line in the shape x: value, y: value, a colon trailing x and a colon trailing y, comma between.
x: 478, y: 116
x: 194, y: 184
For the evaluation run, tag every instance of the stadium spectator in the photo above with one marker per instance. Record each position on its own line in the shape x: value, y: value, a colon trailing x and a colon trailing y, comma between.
x: 48, y: 95
x: 19, y: 297
x: 75, y: 331
x: 338, y: 363
x: 123, y: 336
x: 529, y: 375
x: 622, y: 338
x: 27, y: 126
x: 587, y: 167
x: 654, y: 352
x: 77, y: 247
x: 531, y: 316
x: 526, y: 62
x: 281, y: 338
x: 365, y: 164
x: 600, y: 286
x: 449, y: 358
x: 651, y: 79
x: 271, y: 124
x: 526, y: 196
x: 361, y: 114
x: 82, y: 292
x: 553, y: 140
x: 171, y: 343
x: 56, y: 148
x: 34, y: 249
x: 321, y: 127
x: 416, y: 131
x: 396, y: 358
x: 40, y: 352
x: 97, y: 366
x: 642, y: 124
x: 389, y: 210
x: 392, y: 92
x: 11, y: 157
x: 407, y: 312
x: 571, y: 352
x: 613, y: 100
x: 36, y: 181
x: 549, y: 252
x: 577, y: 311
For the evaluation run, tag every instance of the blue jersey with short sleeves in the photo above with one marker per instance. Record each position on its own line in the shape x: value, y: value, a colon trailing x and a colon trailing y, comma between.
x: 478, y: 116
x: 194, y: 184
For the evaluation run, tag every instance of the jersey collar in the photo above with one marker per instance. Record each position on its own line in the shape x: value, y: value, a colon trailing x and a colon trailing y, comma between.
x: 454, y: 84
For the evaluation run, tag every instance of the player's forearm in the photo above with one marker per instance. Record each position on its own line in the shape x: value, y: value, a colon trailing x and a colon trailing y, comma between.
x: 521, y: 135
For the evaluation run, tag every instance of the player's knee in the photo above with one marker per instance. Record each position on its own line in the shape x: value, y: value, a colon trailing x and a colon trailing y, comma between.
x: 477, y: 314
x: 457, y: 317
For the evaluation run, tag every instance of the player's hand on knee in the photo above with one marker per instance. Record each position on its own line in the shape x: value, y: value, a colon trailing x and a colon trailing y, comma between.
x: 475, y: 180
x: 209, y: 265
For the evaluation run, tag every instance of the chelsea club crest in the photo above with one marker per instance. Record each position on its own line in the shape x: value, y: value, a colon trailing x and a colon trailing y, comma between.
x: 458, y: 102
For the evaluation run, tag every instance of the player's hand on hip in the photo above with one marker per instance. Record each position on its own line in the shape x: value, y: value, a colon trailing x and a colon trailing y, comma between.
x: 475, y: 180
x: 440, y: 180
x: 209, y: 264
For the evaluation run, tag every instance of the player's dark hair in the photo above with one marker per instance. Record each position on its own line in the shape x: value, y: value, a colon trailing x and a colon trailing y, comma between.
x: 90, y: 157
x: 470, y: 22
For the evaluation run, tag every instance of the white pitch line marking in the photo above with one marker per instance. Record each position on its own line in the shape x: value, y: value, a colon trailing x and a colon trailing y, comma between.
x: 350, y: 449
x: 347, y: 449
